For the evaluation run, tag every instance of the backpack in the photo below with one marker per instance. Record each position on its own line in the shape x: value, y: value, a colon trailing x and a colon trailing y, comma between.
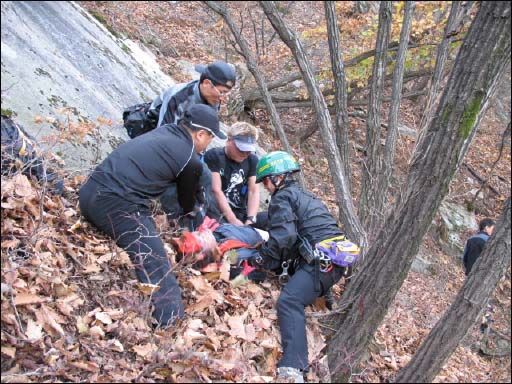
x: 17, y: 144
x: 139, y: 119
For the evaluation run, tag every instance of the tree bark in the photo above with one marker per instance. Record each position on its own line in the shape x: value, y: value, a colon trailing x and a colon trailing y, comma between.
x: 385, y: 165
x: 340, y: 89
x: 258, y: 75
x: 483, y: 56
x: 369, y: 211
x: 442, y: 54
x: 446, y: 335
x: 347, y: 210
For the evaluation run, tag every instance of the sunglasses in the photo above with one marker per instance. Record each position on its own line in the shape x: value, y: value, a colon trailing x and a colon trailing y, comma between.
x: 221, y: 93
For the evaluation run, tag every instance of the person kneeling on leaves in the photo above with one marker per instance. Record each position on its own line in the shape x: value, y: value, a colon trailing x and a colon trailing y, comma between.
x: 116, y: 198
x: 297, y: 222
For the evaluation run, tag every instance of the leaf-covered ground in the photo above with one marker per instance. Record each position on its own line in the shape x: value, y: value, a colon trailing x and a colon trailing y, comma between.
x: 71, y: 307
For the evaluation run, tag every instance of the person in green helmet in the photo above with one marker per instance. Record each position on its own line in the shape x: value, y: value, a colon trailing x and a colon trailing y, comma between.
x: 297, y: 222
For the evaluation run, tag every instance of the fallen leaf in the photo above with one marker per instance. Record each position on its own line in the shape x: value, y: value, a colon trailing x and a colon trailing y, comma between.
x: 96, y: 332
x: 10, y: 243
x: 86, y: 366
x: 25, y: 298
x: 144, y: 350
x: 103, y: 317
x: 34, y: 331
x: 147, y: 289
x: 236, y: 323
x: 22, y: 186
x: 115, y: 345
x: 9, y: 351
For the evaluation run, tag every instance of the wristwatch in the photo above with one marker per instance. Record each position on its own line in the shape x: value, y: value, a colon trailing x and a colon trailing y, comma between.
x: 252, y: 219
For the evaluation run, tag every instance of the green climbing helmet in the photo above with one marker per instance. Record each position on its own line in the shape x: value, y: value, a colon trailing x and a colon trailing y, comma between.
x: 276, y: 163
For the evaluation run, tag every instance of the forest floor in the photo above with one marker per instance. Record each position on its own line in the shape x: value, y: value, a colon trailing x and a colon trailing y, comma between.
x: 72, y: 310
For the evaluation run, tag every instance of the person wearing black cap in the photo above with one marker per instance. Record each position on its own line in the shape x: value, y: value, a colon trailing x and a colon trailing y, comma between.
x: 233, y: 170
x: 213, y: 86
x: 116, y: 197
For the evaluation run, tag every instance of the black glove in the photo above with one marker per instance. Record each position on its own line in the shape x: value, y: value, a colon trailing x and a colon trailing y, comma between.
x: 200, y: 195
x: 264, y: 262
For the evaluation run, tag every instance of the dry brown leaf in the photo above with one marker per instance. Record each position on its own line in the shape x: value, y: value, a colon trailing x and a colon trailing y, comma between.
x: 262, y: 323
x: 115, y: 314
x: 103, y: 317
x: 236, y: 323
x: 147, y: 289
x: 115, y: 345
x: 34, y: 331
x: 204, y: 302
x: 145, y: 350
x: 75, y: 226
x: 97, y: 332
x: 200, y: 284
x: 10, y: 243
x: 224, y: 270
x: 9, y: 351
x: 91, y: 268
x: 22, y: 186
x: 25, y: 298
x: 86, y: 366
x: 52, y: 319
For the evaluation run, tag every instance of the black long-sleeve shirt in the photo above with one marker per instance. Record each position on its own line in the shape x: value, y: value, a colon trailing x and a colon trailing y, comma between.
x: 143, y: 168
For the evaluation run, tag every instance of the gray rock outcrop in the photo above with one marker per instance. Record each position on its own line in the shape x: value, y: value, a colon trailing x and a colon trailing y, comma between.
x: 55, y: 55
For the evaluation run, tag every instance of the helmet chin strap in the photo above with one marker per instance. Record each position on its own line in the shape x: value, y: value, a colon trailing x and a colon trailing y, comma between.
x: 277, y: 184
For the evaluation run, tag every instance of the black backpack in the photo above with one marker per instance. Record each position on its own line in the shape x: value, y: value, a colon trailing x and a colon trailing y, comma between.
x: 18, y: 144
x: 139, y: 119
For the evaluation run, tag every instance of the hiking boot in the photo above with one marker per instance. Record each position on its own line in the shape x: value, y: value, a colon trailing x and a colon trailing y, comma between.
x: 289, y: 373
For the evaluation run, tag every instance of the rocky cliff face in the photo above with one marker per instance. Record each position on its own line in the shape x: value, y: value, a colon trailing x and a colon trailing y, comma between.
x: 55, y: 55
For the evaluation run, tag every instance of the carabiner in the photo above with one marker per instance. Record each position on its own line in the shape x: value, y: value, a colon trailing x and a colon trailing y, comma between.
x: 284, y: 277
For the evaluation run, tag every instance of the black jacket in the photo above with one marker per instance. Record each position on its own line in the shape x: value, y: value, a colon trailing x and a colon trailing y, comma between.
x: 174, y: 101
x: 292, y: 212
x: 473, y: 249
x: 143, y: 168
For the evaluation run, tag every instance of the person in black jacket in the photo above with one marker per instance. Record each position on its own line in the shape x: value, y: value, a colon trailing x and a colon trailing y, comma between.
x: 213, y: 86
x: 116, y: 197
x: 297, y: 221
x: 476, y: 243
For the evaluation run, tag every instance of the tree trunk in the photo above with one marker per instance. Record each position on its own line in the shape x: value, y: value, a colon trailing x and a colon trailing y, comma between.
x: 340, y: 88
x: 444, y: 338
x: 347, y: 210
x: 385, y: 165
x: 483, y: 56
x: 369, y: 211
x: 258, y: 75
x: 442, y: 54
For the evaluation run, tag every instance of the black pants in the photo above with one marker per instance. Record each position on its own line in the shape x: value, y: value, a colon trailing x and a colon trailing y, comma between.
x: 296, y: 294
x: 134, y: 230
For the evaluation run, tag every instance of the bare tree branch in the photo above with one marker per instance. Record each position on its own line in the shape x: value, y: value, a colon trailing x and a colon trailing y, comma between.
x: 256, y: 72
x: 347, y: 210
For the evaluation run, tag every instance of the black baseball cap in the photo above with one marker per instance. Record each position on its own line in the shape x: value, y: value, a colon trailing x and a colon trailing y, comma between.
x: 201, y: 116
x: 219, y: 72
